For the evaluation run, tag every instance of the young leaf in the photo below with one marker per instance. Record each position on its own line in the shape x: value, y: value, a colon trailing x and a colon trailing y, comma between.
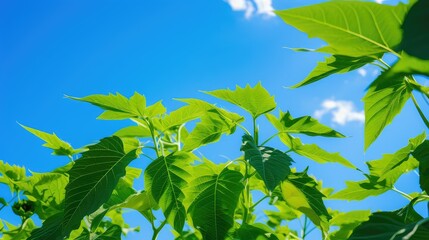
x: 53, y: 142
x: 353, y: 29
x: 306, y: 125
x: 300, y: 192
x: 272, y: 165
x: 164, y: 180
x: 213, y: 124
x: 347, y: 222
x: 93, y: 178
x: 383, y: 173
x: 118, y: 107
x: 334, y: 64
x: 255, y: 100
x: 213, y: 198
x: 311, y: 151
x: 422, y: 155
x: 11, y: 175
x: 383, y: 101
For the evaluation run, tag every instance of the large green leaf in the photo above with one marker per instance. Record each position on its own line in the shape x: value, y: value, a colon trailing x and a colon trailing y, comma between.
x: 51, y: 229
x: 400, y: 224
x: 53, y: 142
x: 300, y: 192
x: 334, y: 64
x: 415, y: 36
x: 165, y: 179
x: 119, y: 107
x: 257, y: 231
x: 353, y: 29
x: 255, y: 100
x: 311, y: 151
x: 383, y: 173
x: 93, y: 178
x: 384, y: 100
x: 306, y: 125
x: 422, y: 155
x: 347, y: 222
x: 212, y: 125
x: 271, y: 164
x: 212, y: 198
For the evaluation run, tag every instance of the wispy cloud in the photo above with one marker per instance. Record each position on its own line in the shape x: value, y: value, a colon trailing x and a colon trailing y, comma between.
x: 379, y: 1
x: 341, y: 111
x: 362, y: 72
x: 252, y: 7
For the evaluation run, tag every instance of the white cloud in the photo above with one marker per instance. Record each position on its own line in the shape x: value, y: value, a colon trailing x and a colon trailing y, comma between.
x: 379, y: 1
x: 262, y: 7
x: 342, y: 111
x: 362, y: 72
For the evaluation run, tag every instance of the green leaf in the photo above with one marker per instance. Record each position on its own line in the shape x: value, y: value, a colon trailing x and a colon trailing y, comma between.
x: 311, y: 151
x: 257, y: 231
x: 415, y: 35
x: 53, y: 142
x: 93, y: 178
x: 284, y: 213
x: 118, y: 107
x: 212, y: 198
x: 306, y: 125
x: 271, y: 164
x: 353, y: 29
x: 255, y: 100
x: 11, y: 175
x: 384, y: 100
x: 300, y: 192
x: 399, y: 224
x: 51, y: 229
x: 133, y: 131
x: 112, y: 233
x: 164, y: 180
x: 212, y: 125
x: 332, y: 65
x: 422, y: 155
x: 18, y: 232
x: 3, y: 202
x: 347, y: 222
x: 383, y: 173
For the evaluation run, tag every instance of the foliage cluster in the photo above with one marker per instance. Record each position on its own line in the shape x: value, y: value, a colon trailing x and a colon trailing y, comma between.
x: 203, y: 200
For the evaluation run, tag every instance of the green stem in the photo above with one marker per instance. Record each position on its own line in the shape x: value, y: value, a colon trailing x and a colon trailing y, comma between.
x: 422, y: 115
x: 259, y: 201
x: 304, y: 228
x: 384, y: 63
x: 402, y: 193
x: 244, y: 129
x: 246, y: 195
x: 255, y: 131
x: 179, y: 137
x: 158, y: 229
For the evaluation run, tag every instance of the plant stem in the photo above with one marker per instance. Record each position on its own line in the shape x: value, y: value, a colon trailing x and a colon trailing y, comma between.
x: 304, y: 230
x: 246, y: 195
x: 422, y: 115
x: 259, y: 201
x: 158, y: 229
x: 402, y: 193
x: 255, y: 131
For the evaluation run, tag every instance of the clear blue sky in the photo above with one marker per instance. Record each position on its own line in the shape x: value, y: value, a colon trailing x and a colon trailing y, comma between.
x: 164, y: 50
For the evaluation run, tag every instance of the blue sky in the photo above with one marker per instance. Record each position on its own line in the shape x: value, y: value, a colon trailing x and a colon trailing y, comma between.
x: 172, y: 49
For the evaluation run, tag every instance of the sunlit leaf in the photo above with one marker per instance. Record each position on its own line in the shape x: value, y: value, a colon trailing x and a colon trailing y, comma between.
x: 11, y: 175
x: 383, y: 101
x: 311, y: 151
x: 212, y: 125
x: 383, y: 173
x: 347, y: 222
x: 165, y: 179
x: 306, y: 125
x: 53, y: 142
x: 133, y: 131
x: 350, y: 28
x: 422, y: 155
x: 118, y: 107
x: 300, y: 192
x: 212, y: 199
x: 272, y: 165
x: 332, y: 65
x: 93, y: 178
x: 256, y: 100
